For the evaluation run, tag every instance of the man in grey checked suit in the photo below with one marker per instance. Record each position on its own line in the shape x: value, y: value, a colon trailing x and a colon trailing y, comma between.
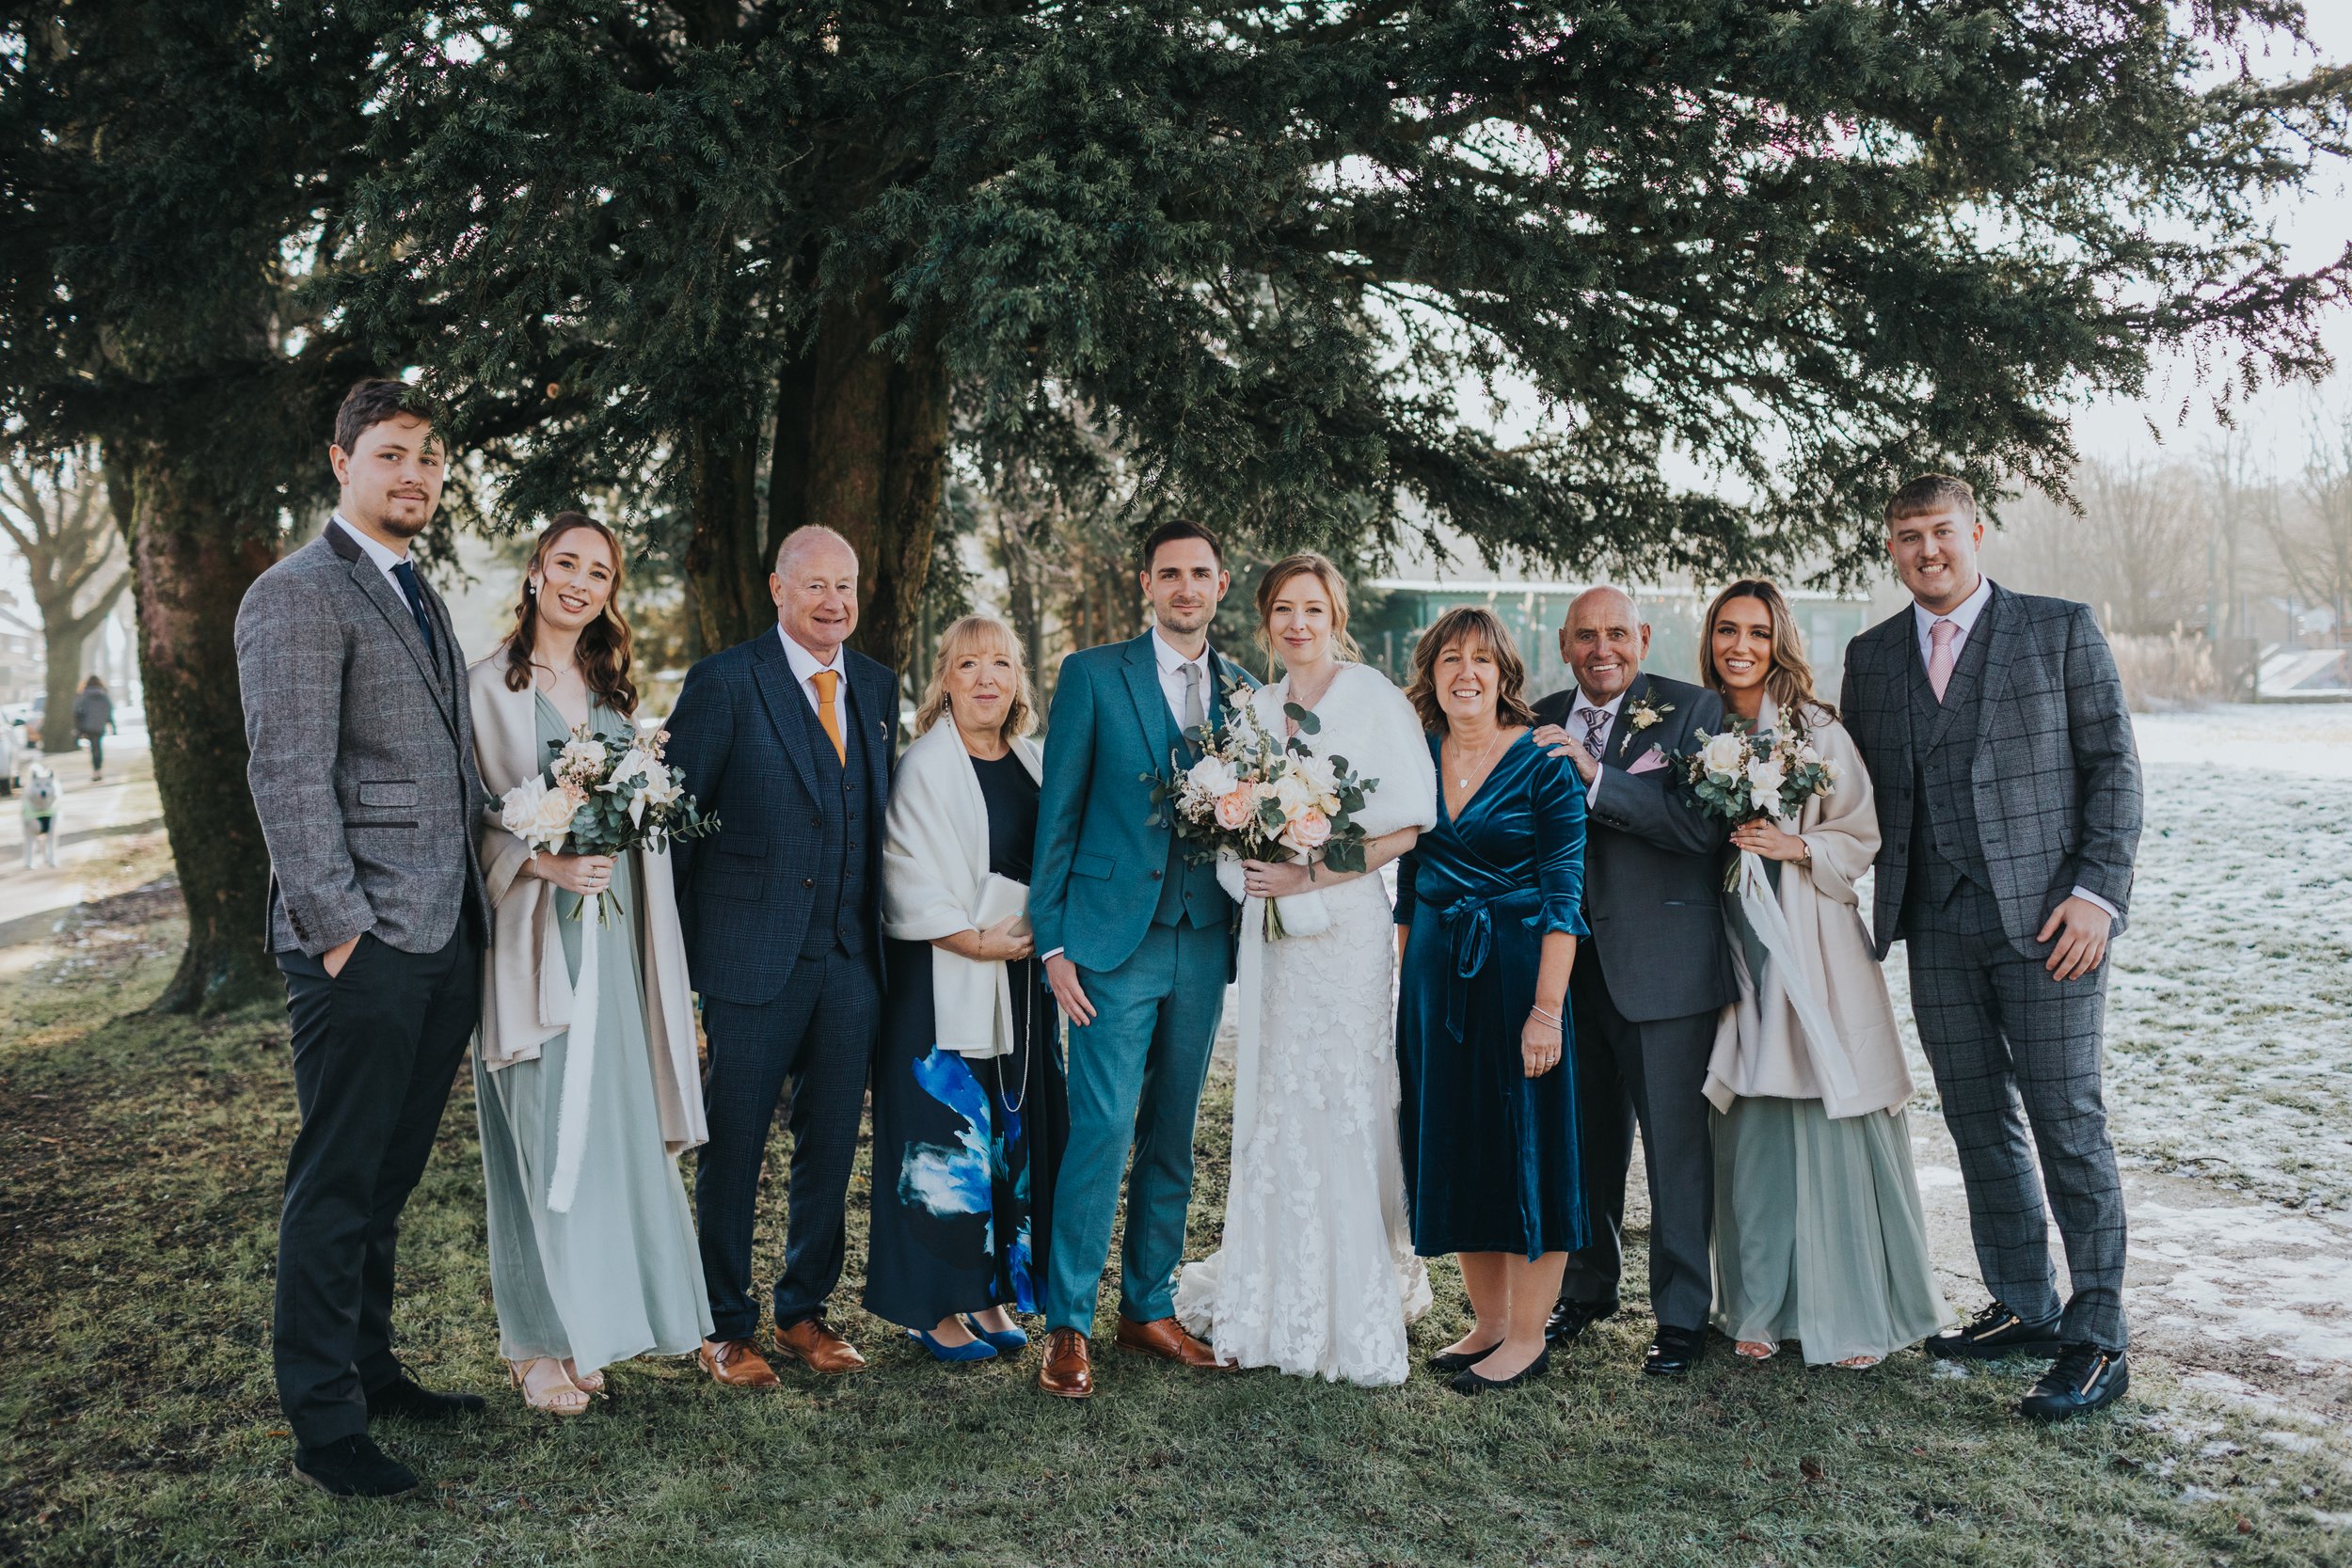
x: 363, y: 776
x: 1994, y: 729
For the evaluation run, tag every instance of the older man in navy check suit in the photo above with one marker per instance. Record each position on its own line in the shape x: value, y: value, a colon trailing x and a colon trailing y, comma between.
x: 2000, y: 751
x: 789, y: 740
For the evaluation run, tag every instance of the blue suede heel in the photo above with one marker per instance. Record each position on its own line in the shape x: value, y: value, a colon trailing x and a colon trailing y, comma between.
x: 978, y: 1349
x: 1011, y: 1341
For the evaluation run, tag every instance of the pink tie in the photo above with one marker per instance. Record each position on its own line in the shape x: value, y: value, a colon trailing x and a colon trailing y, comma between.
x: 1941, y: 636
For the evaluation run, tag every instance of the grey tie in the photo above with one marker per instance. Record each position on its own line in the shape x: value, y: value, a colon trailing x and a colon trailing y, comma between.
x: 1196, y: 715
x: 1596, y: 721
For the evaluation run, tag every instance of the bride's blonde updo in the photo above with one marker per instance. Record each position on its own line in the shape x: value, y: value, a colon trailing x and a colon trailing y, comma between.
x: 1309, y: 563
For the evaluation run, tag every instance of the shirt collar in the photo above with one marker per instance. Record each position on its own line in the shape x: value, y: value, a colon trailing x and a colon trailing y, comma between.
x: 1965, y: 616
x: 804, y: 663
x: 1609, y: 708
x: 1169, y: 659
x: 385, y: 557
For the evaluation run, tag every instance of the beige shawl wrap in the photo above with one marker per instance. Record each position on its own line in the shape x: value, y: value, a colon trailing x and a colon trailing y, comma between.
x: 1851, y: 1060
x: 526, y: 984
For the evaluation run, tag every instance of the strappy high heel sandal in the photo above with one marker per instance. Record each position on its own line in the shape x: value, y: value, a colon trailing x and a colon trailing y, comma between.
x: 590, y: 1384
x: 565, y: 1397
x: 1756, y: 1349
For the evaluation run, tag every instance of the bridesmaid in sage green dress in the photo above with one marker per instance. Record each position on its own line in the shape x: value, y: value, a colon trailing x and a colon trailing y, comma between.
x: 593, y: 1258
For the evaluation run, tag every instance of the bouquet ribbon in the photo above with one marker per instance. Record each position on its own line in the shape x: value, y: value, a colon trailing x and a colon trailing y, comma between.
x: 1761, y: 905
x: 579, y: 1065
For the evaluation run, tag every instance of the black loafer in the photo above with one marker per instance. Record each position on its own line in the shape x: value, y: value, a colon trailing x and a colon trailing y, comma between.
x: 354, y: 1468
x: 1674, y: 1351
x: 404, y: 1396
x: 1996, y: 1332
x: 1572, y: 1318
x: 2083, y: 1379
x: 1468, y: 1382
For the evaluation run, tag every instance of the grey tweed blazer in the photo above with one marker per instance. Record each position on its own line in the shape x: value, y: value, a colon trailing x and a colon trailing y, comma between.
x: 363, y: 766
x: 2056, y: 777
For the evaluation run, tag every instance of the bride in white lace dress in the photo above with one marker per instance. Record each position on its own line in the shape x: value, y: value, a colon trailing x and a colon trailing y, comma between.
x: 1317, y: 1274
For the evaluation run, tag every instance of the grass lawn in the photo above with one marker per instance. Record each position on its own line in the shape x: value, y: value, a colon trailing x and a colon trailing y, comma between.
x: 140, y: 1163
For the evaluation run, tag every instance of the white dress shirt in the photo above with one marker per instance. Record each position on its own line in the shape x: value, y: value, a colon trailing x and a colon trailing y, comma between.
x: 1172, y: 665
x: 1965, y: 615
x: 1577, y: 710
x: 385, y: 557
x: 804, y: 668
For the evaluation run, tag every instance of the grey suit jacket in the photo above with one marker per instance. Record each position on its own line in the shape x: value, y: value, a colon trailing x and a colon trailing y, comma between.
x: 1653, y: 862
x: 2055, y: 778
x: 363, y: 766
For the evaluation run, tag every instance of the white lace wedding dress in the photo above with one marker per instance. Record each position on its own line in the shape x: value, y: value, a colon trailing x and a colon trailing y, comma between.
x: 1317, y: 1274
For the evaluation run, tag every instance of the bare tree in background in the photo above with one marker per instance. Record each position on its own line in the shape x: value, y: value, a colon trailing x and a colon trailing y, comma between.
x: 2314, y: 541
x: 2135, y: 551
x: 61, y: 523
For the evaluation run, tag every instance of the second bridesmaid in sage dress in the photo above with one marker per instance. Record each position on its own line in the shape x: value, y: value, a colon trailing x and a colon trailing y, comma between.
x: 587, y: 1094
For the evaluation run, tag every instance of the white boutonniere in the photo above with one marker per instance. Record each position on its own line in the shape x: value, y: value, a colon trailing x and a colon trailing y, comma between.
x: 1639, y: 716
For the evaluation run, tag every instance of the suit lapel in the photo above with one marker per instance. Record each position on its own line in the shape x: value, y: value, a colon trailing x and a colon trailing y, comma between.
x: 2000, y: 656
x: 1621, y: 724
x: 389, y: 604
x: 873, y: 719
x: 777, y: 689
x: 1143, y: 686
x: 1971, y: 672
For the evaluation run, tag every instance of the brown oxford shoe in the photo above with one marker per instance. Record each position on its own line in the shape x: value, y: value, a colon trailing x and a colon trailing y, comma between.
x: 1067, y: 1372
x: 1166, y: 1339
x: 815, y: 1342
x: 736, y: 1363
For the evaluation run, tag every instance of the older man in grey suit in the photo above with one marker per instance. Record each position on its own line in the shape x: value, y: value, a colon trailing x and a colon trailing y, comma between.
x: 363, y: 776
x: 2000, y: 749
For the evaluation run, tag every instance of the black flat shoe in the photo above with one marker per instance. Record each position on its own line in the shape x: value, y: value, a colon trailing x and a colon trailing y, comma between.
x: 354, y: 1468
x: 2083, y: 1379
x: 404, y: 1396
x: 1572, y: 1318
x: 1674, y: 1351
x: 1447, y: 1362
x: 1468, y: 1382
x: 1996, y: 1332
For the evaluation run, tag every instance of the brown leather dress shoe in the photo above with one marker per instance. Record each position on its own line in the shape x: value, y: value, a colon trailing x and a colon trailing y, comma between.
x: 735, y: 1363
x: 815, y: 1342
x: 1166, y: 1339
x: 1067, y: 1370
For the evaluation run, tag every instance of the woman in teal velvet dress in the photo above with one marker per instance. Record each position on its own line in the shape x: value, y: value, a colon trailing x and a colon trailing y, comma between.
x: 1490, y: 905
x: 586, y: 1091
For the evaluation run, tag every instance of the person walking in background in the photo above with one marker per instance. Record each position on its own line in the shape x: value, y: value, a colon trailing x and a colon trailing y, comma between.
x: 1998, y: 741
x: 586, y: 1101
x: 1819, y: 1234
x: 93, y: 716
x: 789, y: 740
x: 1655, y: 975
x: 970, y: 1114
x: 1489, y: 908
x: 1138, y: 946
x: 363, y: 778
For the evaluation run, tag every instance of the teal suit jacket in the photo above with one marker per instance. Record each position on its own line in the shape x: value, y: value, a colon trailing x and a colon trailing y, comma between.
x: 1096, y: 876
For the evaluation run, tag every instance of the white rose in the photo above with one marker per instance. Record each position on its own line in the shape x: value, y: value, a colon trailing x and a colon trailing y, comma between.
x: 1213, y: 776
x: 1829, y: 768
x: 1320, y: 773
x: 636, y: 763
x: 1293, y: 793
x: 1724, y: 754
x: 538, y: 815
x: 659, y: 790
x: 1765, y: 777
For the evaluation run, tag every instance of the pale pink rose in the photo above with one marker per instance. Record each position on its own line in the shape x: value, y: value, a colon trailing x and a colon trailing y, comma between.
x: 1308, y: 831
x: 1235, y: 808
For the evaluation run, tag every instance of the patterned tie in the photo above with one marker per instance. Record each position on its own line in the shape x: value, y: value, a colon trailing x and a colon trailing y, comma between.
x: 405, y: 575
x: 827, y: 714
x: 1196, y: 715
x: 1942, y: 637
x: 1596, y: 722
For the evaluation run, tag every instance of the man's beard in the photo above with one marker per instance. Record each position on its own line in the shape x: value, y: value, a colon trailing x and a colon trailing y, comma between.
x: 402, y: 527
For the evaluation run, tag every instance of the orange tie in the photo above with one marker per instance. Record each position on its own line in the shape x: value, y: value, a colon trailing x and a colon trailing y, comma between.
x: 827, y: 714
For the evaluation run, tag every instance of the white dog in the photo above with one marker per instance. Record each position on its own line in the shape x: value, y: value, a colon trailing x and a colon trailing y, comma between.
x: 43, y: 800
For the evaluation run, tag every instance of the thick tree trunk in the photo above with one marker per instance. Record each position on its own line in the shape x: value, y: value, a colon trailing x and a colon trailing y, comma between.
x: 726, y: 580
x: 191, y: 565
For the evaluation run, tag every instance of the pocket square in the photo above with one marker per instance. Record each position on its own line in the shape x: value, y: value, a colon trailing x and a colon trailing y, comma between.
x: 1648, y: 762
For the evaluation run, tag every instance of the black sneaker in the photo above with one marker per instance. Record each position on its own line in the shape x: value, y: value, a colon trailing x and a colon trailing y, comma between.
x: 2083, y: 1379
x: 1570, y: 1319
x: 404, y: 1396
x: 1996, y: 1332
x: 354, y: 1468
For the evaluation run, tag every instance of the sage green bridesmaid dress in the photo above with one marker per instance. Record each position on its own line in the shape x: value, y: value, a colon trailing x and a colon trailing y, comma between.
x: 618, y: 1275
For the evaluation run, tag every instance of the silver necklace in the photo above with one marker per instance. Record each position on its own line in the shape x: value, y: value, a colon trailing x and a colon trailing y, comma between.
x: 1462, y: 780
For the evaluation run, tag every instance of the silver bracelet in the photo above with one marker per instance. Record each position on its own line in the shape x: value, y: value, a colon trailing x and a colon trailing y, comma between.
x: 1553, y: 1019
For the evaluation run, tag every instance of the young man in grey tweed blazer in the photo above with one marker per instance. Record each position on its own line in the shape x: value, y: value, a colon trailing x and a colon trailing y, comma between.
x: 1994, y: 729
x: 363, y: 776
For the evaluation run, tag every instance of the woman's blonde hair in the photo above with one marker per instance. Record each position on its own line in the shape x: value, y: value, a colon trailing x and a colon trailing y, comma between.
x: 1790, y: 682
x: 989, y: 633
x: 1469, y: 623
x: 1307, y: 564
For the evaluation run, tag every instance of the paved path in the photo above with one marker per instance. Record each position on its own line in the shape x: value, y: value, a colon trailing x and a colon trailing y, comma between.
x: 32, y: 902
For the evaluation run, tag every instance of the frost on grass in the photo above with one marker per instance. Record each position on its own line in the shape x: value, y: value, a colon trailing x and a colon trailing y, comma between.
x: 2230, y: 1010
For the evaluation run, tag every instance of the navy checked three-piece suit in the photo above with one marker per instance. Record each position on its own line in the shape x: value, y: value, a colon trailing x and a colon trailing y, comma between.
x: 780, y: 913
x: 2018, y: 787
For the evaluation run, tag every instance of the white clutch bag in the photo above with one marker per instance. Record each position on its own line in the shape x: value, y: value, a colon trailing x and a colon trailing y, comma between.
x: 1001, y: 897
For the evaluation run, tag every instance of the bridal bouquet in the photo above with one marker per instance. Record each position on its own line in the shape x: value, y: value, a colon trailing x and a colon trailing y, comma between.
x: 1257, y: 796
x: 1740, y: 777
x: 603, y: 795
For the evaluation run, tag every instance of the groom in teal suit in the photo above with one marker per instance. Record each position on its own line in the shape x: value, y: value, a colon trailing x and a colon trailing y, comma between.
x: 1138, y: 946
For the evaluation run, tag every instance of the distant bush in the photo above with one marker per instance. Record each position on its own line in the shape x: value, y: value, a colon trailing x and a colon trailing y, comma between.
x: 2175, y: 670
